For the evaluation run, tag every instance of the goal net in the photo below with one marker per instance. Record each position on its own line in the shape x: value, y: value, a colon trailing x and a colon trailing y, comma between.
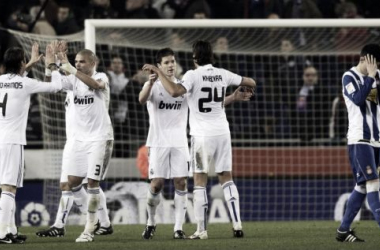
x: 289, y: 154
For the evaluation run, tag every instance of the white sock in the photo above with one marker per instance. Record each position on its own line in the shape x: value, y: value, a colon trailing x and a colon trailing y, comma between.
x: 92, y: 208
x: 200, y: 207
x: 153, y: 199
x: 65, y: 205
x: 7, y: 201
x: 102, y: 211
x: 12, y: 228
x: 80, y: 198
x: 180, y: 206
x: 231, y: 195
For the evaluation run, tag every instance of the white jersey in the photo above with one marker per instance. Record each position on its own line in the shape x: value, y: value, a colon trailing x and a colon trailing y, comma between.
x: 92, y: 121
x: 70, y: 115
x: 167, y: 118
x: 363, y: 114
x: 206, y: 87
x: 15, y: 91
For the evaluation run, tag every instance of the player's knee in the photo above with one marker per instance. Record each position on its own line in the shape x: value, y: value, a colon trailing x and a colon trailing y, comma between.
x: 74, y: 181
x: 8, y: 188
x: 93, y: 183
x: 180, y: 183
x: 361, y: 189
x: 372, y: 186
x: 64, y: 186
x: 156, y: 185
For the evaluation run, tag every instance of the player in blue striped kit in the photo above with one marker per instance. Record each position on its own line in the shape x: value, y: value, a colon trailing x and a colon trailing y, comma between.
x: 360, y: 92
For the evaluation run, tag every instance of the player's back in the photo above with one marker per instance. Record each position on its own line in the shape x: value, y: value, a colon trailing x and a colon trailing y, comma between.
x: 15, y: 91
x: 206, y: 87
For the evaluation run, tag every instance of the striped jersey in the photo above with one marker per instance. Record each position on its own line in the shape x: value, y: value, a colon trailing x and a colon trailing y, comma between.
x: 360, y: 96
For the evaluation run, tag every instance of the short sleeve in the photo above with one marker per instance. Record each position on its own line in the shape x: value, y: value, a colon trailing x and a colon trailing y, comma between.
x: 233, y: 79
x: 188, y: 81
x: 102, y: 77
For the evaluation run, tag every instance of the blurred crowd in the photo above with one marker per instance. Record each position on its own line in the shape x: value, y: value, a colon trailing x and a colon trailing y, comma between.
x: 298, y: 97
x: 61, y: 17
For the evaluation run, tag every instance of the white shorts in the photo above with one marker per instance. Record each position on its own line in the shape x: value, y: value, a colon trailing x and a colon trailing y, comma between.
x: 168, y: 163
x: 211, y: 152
x: 67, y: 151
x: 90, y: 159
x: 12, y: 164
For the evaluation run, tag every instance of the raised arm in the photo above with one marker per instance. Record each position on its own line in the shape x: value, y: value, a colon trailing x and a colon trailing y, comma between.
x: 35, y: 57
x: 88, y: 80
x: 172, y: 88
x: 145, y: 92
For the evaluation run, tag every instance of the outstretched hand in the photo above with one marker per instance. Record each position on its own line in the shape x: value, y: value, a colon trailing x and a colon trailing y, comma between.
x: 243, y: 93
x: 35, y: 56
x: 49, y: 57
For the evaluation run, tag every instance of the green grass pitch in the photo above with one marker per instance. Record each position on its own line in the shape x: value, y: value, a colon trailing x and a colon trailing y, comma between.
x: 258, y: 235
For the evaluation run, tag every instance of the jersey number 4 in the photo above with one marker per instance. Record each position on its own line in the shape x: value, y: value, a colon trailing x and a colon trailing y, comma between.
x: 3, y: 104
x: 210, y: 98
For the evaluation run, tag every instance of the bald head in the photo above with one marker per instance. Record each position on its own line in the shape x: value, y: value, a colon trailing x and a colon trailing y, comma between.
x: 91, y: 57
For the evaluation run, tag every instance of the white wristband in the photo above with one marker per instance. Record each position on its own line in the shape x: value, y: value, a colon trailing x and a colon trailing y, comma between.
x: 47, y: 72
x: 69, y: 68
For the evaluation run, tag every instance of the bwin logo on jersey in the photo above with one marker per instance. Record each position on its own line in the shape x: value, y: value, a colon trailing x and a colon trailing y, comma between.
x: 176, y: 105
x: 83, y: 100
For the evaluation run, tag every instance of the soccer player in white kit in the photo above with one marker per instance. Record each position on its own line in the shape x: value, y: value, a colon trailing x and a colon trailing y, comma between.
x: 211, y: 139
x: 94, y: 134
x: 77, y: 195
x: 167, y: 143
x: 15, y: 92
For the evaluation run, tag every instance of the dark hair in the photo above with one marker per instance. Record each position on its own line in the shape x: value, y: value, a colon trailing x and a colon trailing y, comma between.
x: 202, y: 53
x: 13, y: 59
x: 162, y: 53
x: 372, y: 49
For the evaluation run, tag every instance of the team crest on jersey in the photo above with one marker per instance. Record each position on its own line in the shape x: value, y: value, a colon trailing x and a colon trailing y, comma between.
x: 350, y: 88
x: 369, y: 170
x: 151, y: 171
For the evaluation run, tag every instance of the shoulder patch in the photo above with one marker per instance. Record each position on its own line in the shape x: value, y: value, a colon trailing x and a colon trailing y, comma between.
x: 350, y: 88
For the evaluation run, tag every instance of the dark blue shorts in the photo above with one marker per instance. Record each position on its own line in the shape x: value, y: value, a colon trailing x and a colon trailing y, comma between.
x: 364, y: 160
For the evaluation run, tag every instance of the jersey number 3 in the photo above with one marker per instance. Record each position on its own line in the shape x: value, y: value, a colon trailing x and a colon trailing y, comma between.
x: 210, y: 98
x: 3, y: 104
